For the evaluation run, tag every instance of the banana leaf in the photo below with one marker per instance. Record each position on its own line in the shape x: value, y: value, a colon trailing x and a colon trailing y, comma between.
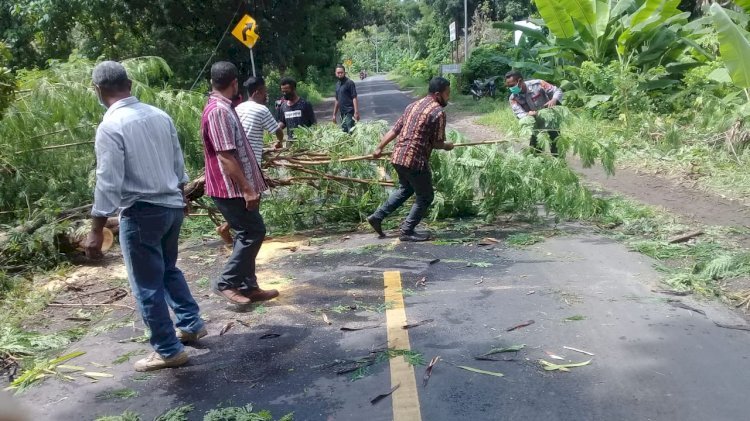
x: 734, y: 47
x: 556, y: 18
x: 529, y: 32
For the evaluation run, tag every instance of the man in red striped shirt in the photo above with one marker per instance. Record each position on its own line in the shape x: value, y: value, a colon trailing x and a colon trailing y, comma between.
x: 234, y: 181
x: 419, y: 130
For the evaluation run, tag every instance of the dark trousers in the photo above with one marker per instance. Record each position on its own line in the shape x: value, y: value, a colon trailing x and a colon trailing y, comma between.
x: 409, y: 182
x: 347, y: 121
x: 552, y: 142
x: 239, y: 272
x: 148, y: 238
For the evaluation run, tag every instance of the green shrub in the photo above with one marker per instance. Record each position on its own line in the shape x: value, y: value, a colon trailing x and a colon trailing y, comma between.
x: 422, y: 69
x: 487, y: 61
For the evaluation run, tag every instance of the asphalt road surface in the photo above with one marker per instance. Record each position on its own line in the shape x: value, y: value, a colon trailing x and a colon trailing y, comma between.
x: 654, y: 357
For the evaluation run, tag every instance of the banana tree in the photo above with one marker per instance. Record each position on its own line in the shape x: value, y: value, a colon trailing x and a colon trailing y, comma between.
x: 733, y: 45
x: 604, y: 30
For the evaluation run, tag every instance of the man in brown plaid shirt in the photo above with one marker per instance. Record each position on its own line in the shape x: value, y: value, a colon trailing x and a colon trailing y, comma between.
x: 419, y: 130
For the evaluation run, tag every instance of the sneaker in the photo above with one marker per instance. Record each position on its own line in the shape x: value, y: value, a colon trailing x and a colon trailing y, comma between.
x: 234, y: 296
x: 376, y: 224
x: 256, y: 295
x: 190, y: 336
x: 156, y: 362
x: 414, y: 237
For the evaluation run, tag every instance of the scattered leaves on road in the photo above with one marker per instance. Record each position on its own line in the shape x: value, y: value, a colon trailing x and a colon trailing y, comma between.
x: 554, y: 356
x: 379, y: 398
x: 411, y: 325
x: 548, y: 366
x: 226, y: 328
x: 578, y: 350
x: 476, y: 370
x: 428, y: 370
x: 518, y: 326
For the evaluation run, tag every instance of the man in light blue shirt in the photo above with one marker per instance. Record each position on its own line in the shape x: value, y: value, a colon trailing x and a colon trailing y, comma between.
x: 140, y: 172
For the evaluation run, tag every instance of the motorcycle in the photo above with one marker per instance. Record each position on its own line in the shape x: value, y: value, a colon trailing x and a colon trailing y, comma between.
x: 362, y: 75
x: 482, y: 88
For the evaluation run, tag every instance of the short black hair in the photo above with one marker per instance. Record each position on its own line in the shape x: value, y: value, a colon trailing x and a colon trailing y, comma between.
x: 340, y: 66
x: 110, y: 76
x: 253, y: 83
x: 438, y: 84
x: 514, y: 74
x: 287, y: 81
x: 223, y: 73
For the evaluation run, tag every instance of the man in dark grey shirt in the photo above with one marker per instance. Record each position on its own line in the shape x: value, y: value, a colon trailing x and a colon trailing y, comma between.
x: 346, y: 100
x: 294, y: 111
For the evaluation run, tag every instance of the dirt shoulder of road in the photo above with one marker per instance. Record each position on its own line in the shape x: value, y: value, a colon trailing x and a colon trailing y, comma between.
x: 671, y: 194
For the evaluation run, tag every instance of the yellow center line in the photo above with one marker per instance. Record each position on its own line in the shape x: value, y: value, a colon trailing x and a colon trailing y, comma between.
x: 406, y: 397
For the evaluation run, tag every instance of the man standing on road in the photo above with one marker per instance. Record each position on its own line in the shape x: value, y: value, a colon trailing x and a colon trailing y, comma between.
x: 140, y: 171
x: 419, y: 130
x: 255, y: 116
x: 532, y: 102
x: 346, y: 100
x: 234, y: 181
x: 294, y: 110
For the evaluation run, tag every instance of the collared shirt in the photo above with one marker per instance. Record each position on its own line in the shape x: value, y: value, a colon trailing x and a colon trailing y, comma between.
x: 538, y: 93
x: 420, y: 127
x: 138, y: 159
x: 222, y: 131
x: 346, y: 91
x: 254, y: 118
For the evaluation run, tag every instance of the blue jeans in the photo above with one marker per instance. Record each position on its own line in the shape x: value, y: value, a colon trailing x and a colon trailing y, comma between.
x: 410, y: 181
x: 148, y: 238
x: 239, y: 271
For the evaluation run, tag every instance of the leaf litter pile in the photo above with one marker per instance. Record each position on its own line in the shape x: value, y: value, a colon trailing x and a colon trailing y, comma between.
x: 360, y: 367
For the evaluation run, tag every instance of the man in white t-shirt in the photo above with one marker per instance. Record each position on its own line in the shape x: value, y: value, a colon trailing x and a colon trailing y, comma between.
x: 256, y: 117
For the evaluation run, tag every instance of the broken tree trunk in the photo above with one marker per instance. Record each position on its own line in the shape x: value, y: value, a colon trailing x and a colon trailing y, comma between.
x: 75, y: 241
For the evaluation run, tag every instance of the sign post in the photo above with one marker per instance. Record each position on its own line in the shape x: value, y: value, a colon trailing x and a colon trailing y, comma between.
x: 245, y: 32
x: 454, y: 68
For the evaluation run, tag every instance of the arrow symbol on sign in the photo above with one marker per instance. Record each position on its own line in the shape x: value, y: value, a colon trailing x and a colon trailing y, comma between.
x: 248, y: 28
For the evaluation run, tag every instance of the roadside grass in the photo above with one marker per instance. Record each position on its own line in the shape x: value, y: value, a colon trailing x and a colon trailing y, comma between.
x: 523, y: 239
x: 685, y: 152
x: 118, y: 394
x: 467, y: 104
x: 197, y: 227
x: 700, y: 265
x: 220, y: 413
x: 418, y: 85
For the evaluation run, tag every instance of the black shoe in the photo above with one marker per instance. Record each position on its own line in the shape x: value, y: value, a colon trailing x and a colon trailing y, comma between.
x: 376, y: 224
x: 414, y: 237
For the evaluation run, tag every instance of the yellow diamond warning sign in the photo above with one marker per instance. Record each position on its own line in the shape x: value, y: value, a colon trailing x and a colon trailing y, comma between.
x: 245, y: 31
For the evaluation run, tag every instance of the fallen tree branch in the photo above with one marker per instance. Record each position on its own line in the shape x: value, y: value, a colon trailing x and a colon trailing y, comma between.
x: 90, y: 305
x: 684, y: 237
x: 340, y: 178
x: 46, y: 148
x: 101, y: 291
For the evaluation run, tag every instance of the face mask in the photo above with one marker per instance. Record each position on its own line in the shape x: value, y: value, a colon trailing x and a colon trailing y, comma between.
x: 443, y: 103
x: 341, y: 78
x: 288, y: 96
x: 515, y: 90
